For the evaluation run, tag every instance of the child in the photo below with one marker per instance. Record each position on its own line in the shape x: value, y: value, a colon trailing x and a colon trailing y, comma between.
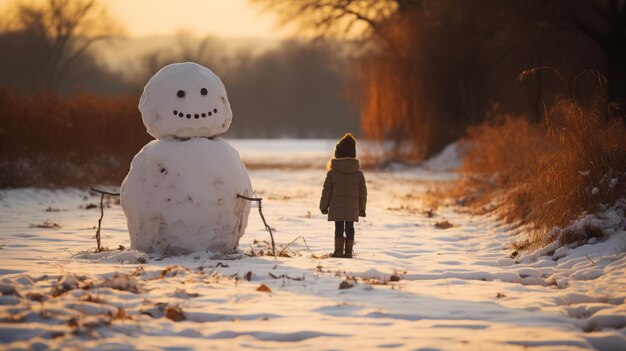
x: 344, y: 195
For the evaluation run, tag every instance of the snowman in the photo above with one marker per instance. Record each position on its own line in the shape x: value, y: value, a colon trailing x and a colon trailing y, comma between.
x: 180, y: 194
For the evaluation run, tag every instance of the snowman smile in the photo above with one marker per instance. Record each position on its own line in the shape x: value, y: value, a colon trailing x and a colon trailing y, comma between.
x: 195, y: 115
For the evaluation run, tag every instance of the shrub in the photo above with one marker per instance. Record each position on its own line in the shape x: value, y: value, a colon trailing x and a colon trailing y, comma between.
x: 48, y: 138
x: 546, y: 174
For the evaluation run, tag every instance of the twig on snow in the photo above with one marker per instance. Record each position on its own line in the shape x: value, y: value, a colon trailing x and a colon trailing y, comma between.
x: 286, y: 276
x: 293, y: 241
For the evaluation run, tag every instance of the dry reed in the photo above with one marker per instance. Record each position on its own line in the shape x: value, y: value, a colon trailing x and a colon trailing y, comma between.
x: 546, y: 174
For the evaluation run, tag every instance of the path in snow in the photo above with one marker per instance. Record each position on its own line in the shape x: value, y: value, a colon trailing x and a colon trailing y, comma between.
x: 457, y: 288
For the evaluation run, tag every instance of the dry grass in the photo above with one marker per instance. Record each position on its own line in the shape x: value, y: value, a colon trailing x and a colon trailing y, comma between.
x: 546, y: 174
x: 46, y: 225
x: 51, y: 139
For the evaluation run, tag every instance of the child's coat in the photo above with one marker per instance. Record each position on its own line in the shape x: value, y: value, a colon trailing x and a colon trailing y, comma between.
x: 345, y: 193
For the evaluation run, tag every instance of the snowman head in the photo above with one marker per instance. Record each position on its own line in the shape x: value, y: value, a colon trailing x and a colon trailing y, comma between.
x: 185, y: 100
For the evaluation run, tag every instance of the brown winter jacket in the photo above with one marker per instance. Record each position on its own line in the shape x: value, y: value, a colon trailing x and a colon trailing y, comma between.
x: 345, y: 192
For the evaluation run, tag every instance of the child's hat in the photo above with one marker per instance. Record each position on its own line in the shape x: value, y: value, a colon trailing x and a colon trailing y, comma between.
x: 346, y: 147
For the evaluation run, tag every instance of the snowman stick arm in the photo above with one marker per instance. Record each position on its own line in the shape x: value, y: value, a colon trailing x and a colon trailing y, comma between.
x: 258, y: 199
x: 267, y: 227
x: 102, y: 193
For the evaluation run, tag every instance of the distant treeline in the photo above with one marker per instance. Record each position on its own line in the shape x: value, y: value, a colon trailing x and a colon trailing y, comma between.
x: 294, y: 89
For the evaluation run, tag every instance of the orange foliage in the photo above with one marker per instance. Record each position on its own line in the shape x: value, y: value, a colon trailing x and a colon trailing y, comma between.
x: 413, y: 88
x: 389, y: 112
x: 48, y: 138
x: 391, y: 101
x: 551, y: 173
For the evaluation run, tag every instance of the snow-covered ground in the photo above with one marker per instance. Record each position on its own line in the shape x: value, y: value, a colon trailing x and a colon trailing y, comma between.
x: 411, y: 286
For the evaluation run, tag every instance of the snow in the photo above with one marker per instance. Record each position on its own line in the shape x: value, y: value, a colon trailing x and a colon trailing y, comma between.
x: 179, y: 88
x: 284, y: 153
x: 182, y: 195
x: 411, y: 286
x: 446, y: 160
x: 130, y: 256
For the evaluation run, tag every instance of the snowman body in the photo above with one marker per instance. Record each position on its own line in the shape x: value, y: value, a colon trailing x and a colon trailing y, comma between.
x: 180, y: 194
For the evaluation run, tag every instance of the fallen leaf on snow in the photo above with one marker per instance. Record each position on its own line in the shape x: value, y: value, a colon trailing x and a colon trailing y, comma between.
x: 345, y: 285
x: 37, y: 297
x: 174, y: 313
x: 264, y: 288
x: 121, y: 315
x: 443, y: 225
x: 173, y: 271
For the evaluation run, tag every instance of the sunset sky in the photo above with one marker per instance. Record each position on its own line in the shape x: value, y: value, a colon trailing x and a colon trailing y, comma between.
x: 231, y: 18
x: 224, y: 18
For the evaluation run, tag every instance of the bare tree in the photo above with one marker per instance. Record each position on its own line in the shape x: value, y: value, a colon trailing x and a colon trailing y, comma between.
x: 433, y: 67
x: 336, y: 17
x: 66, y: 30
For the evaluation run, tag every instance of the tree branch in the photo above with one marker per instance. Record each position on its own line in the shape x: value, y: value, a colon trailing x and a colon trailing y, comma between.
x: 78, y: 53
x: 103, y: 192
x: 267, y: 227
x: 99, y: 247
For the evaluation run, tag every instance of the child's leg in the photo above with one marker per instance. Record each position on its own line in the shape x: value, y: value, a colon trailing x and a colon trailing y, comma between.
x: 339, y: 241
x: 349, y: 239
x: 339, y: 229
x: 349, y: 230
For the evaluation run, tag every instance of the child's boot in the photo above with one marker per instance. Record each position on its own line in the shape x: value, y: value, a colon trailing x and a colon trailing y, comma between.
x: 349, y: 244
x: 338, y: 247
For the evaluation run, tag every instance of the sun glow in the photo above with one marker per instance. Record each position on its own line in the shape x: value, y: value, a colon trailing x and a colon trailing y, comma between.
x: 233, y: 18
x: 228, y: 19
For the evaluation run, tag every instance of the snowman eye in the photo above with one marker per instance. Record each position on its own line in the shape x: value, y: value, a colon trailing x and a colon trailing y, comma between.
x: 180, y: 94
x: 203, y: 91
